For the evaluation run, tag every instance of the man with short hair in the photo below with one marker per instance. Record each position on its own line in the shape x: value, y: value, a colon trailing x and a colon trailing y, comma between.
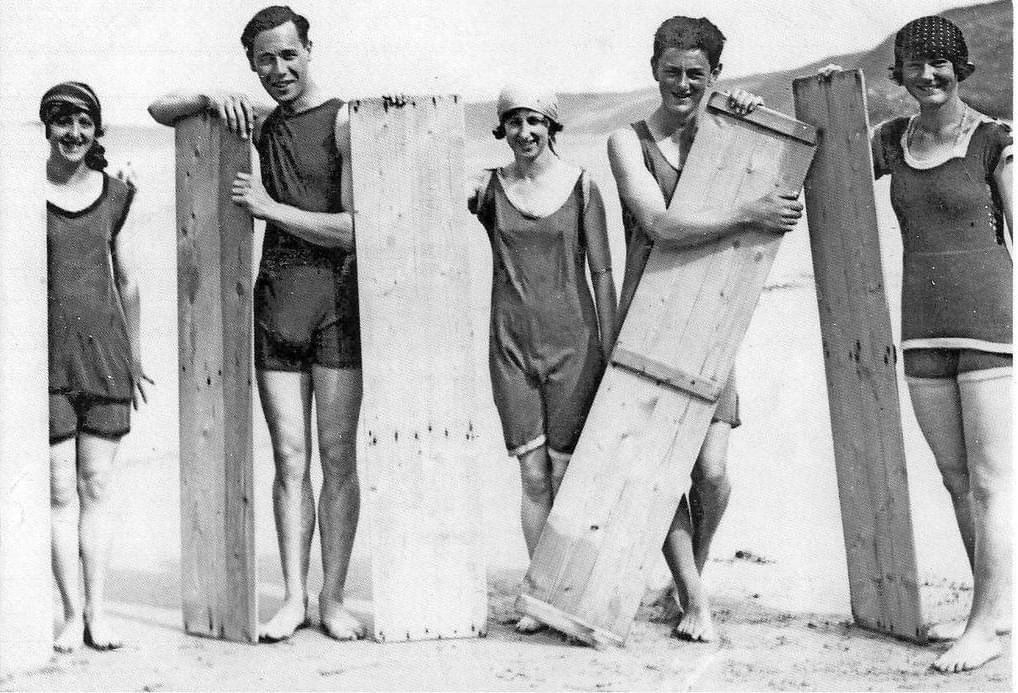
x: 307, y: 339
x: 647, y: 160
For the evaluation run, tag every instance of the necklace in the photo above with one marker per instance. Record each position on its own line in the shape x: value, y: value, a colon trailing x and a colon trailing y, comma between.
x: 958, y: 127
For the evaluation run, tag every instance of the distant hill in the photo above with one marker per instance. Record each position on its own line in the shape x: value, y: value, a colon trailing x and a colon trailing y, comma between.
x: 987, y: 28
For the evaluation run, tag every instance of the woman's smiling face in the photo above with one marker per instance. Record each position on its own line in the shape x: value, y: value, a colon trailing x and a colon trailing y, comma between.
x: 71, y: 135
x: 930, y: 81
x: 527, y: 132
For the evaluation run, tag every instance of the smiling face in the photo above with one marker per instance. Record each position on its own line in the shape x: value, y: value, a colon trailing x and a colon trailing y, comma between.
x: 930, y: 81
x: 527, y: 132
x: 71, y: 135
x: 683, y: 77
x: 281, y: 59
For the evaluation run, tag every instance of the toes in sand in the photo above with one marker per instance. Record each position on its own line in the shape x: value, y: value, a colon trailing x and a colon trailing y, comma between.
x: 287, y: 620
x: 696, y: 625
x: 339, y: 623
x: 971, y: 651
x: 70, y: 637
x: 99, y: 636
x: 529, y: 624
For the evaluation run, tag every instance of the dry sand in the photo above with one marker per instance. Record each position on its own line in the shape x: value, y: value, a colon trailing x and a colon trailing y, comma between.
x: 783, y: 609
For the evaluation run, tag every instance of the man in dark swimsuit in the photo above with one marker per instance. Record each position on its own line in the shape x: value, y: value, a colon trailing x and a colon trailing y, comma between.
x: 307, y: 341
x: 647, y: 160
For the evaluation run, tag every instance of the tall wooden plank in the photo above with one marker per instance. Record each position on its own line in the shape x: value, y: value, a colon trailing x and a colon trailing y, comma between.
x: 427, y: 544
x: 26, y: 625
x: 859, y: 358
x: 214, y: 239
x: 651, y: 413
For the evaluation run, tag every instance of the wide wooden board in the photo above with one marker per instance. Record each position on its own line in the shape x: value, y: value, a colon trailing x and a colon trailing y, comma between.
x: 633, y: 460
x: 214, y: 237
x: 26, y: 596
x: 421, y: 453
x: 860, y: 358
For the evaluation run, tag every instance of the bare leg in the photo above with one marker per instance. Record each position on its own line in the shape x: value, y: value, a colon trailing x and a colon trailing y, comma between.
x: 337, y: 403
x: 937, y: 406
x: 687, y: 545
x: 535, y: 504
x: 559, y: 465
x: 95, y: 534
x: 986, y: 413
x: 286, y: 403
x: 64, y: 508
x: 678, y: 551
x: 711, y: 490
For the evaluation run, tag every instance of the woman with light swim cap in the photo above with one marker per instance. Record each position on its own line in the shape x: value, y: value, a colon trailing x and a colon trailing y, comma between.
x: 549, y: 339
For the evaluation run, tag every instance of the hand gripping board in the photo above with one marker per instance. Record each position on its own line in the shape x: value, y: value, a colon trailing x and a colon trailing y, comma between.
x: 651, y: 413
x: 420, y: 451
x: 214, y: 238
x: 859, y: 358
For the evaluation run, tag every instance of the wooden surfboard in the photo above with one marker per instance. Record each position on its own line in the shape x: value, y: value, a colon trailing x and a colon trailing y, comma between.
x: 417, y: 420
x: 860, y: 358
x: 26, y: 586
x: 214, y: 238
x: 672, y: 358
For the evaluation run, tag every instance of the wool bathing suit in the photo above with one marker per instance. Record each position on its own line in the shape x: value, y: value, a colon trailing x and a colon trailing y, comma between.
x: 305, y: 298
x: 544, y: 353
x: 957, y: 264
x: 638, y: 247
x: 90, y: 382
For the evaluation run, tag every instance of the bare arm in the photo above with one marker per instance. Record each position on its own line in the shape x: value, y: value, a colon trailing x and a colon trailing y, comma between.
x: 327, y: 229
x: 130, y: 303
x: 680, y: 225
x: 1004, y: 178
x: 599, y: 261
x: 235, y: 109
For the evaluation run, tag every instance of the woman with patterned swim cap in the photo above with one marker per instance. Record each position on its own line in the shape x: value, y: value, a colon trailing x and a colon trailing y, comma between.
x: 950, y: 169
x: 94, y: 353
x: 549, y: 340
x: 647, y: 160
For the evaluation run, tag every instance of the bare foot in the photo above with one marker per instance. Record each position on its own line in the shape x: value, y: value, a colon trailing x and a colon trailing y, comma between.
x: 696, y: 625
x: 71, y: 636
x: 99, y: 636
x: 668, y: 608
x: 528, y: 625
x: 287, y: 620
x: 972, y: 650
x: 952, y: 630
x: 339, y: 623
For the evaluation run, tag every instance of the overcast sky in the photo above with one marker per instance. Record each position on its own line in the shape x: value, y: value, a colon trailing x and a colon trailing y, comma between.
x: 132, y: 50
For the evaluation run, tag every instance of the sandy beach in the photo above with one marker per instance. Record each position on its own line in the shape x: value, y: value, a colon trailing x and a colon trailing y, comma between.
x: 778, y: 574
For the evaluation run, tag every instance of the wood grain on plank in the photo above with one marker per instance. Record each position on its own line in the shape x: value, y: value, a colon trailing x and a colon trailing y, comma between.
x: 633, y: 460
x: 411, y: 224
x: 26, y: 615
x: 214, y: 246
x: 859, y: 358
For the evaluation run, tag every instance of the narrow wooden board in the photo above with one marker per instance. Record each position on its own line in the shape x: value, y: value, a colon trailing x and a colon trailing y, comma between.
x: 633, y: 460
x: 214, y: 239
x: 421, y: 457
x: 859, y: 357
x: 26, y: 596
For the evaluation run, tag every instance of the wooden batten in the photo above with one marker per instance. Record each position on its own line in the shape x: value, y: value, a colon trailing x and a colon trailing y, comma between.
x: 26, y: 596
x: 633, y: 460
x: 417, y: 420
x: 860, y: 358
x: 214, y: 239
